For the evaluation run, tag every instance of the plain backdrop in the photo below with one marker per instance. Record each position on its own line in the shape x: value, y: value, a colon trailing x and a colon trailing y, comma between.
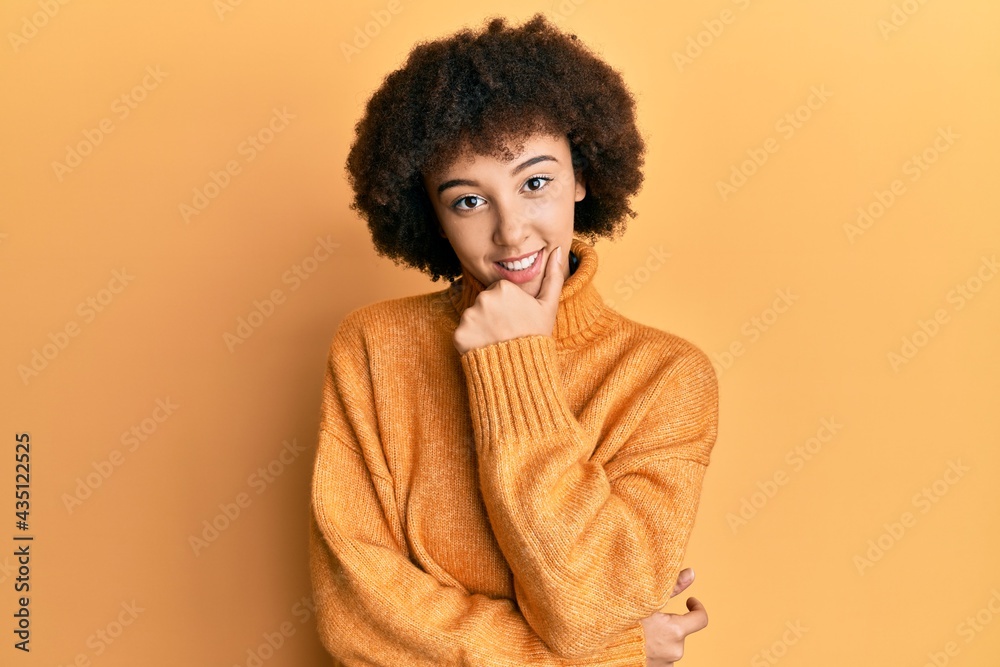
x: 819, y: 215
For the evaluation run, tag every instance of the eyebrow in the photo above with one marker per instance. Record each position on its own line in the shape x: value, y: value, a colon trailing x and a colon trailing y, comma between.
x: 524, y: 165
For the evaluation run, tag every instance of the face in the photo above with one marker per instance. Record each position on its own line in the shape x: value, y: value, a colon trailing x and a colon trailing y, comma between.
x: 491, y: 210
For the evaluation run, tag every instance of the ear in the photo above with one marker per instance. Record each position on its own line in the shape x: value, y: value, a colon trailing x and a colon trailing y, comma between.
x: 581, y: 185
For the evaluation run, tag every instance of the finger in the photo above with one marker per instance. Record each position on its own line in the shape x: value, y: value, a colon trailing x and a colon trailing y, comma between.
x: 552, y: 281
x: 695, y: 619
x: 684, y: 579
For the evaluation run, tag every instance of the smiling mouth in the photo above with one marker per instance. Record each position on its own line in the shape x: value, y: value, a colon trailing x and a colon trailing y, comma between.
x: 521, y: 264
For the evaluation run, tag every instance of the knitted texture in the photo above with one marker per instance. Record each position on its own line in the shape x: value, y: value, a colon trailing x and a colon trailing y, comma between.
x: 525, y: 503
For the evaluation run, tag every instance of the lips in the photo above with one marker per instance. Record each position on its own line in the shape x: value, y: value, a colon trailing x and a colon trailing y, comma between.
x: 535, y: 258
x: 514, y: 259
x: 524, y: 275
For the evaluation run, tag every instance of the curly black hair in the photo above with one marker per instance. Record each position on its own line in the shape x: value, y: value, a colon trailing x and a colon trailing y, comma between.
x: 487, y: 90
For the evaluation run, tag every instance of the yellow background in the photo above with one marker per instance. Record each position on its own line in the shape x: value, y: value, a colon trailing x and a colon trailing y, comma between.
x: 895, y: 77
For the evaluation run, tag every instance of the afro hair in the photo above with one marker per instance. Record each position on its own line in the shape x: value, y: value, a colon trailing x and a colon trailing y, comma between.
x: 488, y: 89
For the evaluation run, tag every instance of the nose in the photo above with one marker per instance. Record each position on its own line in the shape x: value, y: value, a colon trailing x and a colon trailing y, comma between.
x: 511, y: 224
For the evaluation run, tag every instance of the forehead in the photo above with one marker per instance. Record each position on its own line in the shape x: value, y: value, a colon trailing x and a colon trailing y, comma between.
x: 465, y: 155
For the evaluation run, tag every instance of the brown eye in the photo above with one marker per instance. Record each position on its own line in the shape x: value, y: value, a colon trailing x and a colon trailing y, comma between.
x: 465, y: 199
x: 541, y: 180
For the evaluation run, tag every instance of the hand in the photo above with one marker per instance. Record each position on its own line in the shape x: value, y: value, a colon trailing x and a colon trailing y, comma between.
x: 504, y: 311
x: 665, y: 633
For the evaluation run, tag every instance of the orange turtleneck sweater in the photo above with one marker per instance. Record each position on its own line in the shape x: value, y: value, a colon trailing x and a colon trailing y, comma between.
x: 525, y: 503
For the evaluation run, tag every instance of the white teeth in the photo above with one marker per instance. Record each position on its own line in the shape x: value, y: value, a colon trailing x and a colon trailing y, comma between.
x: 520, y: 264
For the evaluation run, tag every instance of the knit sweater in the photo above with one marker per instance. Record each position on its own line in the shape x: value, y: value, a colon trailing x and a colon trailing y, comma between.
x: 525, y: 503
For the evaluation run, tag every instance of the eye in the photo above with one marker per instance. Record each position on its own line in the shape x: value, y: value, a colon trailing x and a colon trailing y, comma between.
x: 466, y: 198
x: 472, y: 202
x: 541, y: 180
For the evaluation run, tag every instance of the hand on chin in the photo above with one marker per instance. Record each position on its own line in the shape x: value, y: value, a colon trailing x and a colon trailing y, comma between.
x: 504, y: 310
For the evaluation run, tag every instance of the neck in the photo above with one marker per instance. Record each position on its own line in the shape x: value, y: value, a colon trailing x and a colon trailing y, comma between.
x: 580, y: 305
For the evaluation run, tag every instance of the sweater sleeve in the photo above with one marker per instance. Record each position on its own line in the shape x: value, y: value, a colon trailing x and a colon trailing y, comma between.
x: 594, y: 548
x: 374, y: 605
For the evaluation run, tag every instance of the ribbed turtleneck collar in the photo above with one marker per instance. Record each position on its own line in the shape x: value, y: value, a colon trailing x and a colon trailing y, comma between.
x: 580, y: 305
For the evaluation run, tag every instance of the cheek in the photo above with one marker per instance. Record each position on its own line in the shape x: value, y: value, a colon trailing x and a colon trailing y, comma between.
x: 550, y: 204
x: 565, y: 199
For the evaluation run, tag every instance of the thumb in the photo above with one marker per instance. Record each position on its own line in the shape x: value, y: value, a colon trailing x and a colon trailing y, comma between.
x: 695, y: 619
x: 553, y: 279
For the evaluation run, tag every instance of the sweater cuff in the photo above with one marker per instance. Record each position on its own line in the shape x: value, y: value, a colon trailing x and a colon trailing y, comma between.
x: 515, y: 394
x: 633, y: 646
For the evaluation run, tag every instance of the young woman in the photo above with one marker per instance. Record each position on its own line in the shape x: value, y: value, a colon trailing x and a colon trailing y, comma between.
x: 508, y: 470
